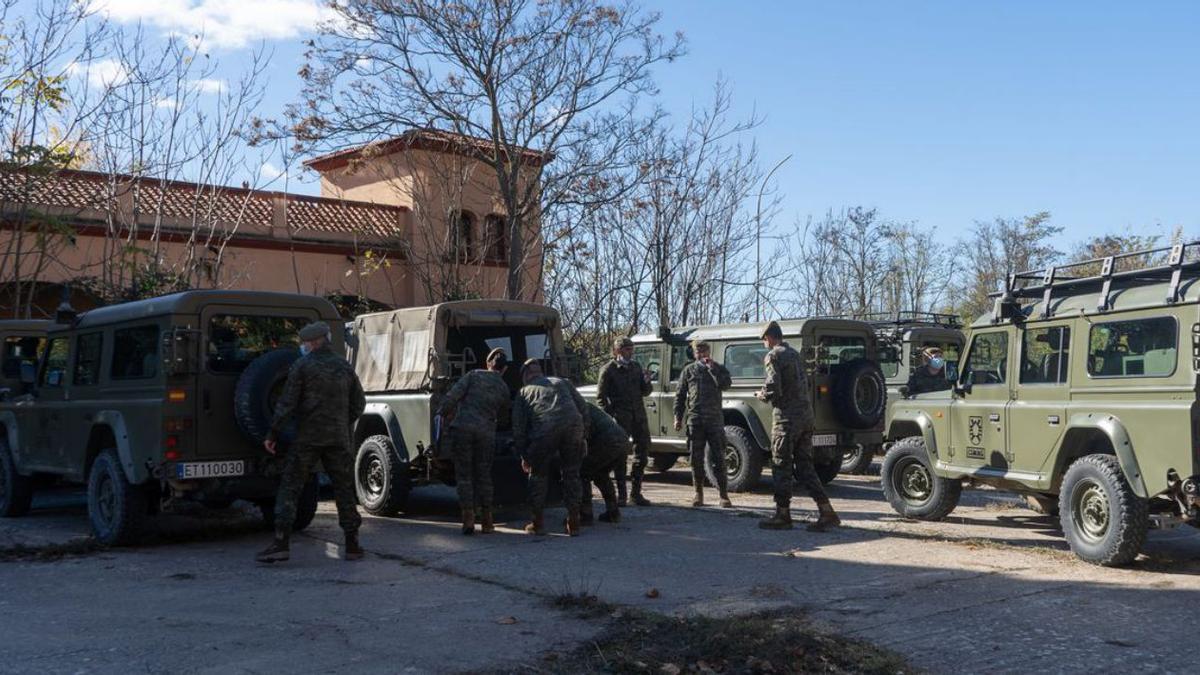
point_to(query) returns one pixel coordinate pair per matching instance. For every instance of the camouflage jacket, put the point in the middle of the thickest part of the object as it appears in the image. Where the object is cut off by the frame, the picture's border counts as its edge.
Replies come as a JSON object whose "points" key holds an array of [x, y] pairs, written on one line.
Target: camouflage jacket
{"points": [[922, 381], [547, 403], [621, 388], [699, 393], [323, 396], [786, 387], [477, 400], [606, 439]]}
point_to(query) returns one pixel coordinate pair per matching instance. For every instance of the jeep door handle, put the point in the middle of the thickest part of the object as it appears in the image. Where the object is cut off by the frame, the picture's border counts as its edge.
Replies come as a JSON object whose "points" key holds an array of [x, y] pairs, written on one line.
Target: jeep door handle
{"points": [[993, 417]]}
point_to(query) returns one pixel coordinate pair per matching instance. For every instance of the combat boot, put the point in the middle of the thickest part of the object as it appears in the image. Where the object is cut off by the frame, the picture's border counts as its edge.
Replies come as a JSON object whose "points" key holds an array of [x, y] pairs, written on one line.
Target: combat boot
{"points": [[468, 520], [354, 550], [725, 503], [537, 525], [698, 499], [782, 520], [636, 493], [573, 522], [486, 524], [587, 515], [278, 551], [826, 520], [612, 513]]}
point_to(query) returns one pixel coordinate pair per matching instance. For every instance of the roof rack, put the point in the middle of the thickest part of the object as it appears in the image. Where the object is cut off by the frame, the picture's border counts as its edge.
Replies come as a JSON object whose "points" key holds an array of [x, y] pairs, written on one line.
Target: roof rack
{"points": [[903, 319], [1155, 264]]}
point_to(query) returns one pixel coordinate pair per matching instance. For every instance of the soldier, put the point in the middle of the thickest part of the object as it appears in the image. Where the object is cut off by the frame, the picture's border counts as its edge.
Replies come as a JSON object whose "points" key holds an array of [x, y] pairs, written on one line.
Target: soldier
{"points": [[469, 413], [931, 376], [607, 447], [550, 421], [324, 397], [786, 389], [622, 386], [698, 402]]}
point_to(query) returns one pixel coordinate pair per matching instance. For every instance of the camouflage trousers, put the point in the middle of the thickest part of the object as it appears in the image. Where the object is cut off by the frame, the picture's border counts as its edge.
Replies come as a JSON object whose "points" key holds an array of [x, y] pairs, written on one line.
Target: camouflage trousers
{"points": [[639, 430], [563, 446], [473, 450], [598, 469], [301, 462], [708, 434], [792, 460]]}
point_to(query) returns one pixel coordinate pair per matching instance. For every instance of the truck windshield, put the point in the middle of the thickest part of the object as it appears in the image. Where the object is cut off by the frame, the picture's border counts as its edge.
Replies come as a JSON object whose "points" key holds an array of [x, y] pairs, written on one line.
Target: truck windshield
{"points": [[234, 340]]}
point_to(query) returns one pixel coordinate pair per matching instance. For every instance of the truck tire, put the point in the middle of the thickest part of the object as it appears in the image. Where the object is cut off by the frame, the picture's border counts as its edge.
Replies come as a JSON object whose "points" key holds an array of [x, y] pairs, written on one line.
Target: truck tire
{"points": [[858, 460], [381, 477], [859, 394], [258, 388], [1104, 522], [911, 486], [16, 491], [306, 507], [663, 463], [743, 461], [116, 509]]}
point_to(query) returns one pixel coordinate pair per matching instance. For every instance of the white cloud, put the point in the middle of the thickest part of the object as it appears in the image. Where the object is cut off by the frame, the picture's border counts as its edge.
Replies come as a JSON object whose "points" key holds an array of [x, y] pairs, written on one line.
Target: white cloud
{"points": [[268, 172], [223, 23], [167, 103], [209, 85], [100, 74]]}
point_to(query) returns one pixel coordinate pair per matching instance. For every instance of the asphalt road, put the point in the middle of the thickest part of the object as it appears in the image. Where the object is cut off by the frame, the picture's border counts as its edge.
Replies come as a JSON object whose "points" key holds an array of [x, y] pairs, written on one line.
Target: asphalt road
{"points": [[991, 589]]}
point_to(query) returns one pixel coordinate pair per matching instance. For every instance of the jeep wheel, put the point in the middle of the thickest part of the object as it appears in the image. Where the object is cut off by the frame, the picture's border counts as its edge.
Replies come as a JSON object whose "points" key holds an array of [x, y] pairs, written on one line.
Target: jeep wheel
{"points": [[306, 506], [16, 491], [1104, 521], [858, 460], [912, 487], [663, 463], [116, 508], [743, 461], [381, 477], [258, 389], [859, 394]]}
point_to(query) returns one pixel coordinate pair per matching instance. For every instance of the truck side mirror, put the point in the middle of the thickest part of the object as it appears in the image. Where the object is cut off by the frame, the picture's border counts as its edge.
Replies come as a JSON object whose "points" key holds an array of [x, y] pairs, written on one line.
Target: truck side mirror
{"points": [[904, 390]]}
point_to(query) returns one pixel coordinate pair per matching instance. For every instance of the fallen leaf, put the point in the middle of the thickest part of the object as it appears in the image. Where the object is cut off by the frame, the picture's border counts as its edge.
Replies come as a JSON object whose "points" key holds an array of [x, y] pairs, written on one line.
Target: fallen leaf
{"points": [[507, 621], [652, 593]]}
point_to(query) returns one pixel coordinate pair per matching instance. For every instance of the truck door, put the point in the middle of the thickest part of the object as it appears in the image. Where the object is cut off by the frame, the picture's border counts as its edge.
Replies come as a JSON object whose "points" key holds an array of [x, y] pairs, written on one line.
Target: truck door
{"points": [[1038, 411], [651, 358], [43, 416], [681, 355], [84, 393], [979, 435]]}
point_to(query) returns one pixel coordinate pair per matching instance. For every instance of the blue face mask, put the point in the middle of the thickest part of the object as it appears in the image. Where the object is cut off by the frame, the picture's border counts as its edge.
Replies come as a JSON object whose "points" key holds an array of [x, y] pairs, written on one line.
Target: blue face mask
{"points": [[304, 350], [937, 363]]}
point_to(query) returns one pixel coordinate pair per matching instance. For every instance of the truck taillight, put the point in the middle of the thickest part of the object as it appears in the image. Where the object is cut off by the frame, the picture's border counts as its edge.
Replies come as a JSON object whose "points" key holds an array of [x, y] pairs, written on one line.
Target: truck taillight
{"points": [[176, 396]]}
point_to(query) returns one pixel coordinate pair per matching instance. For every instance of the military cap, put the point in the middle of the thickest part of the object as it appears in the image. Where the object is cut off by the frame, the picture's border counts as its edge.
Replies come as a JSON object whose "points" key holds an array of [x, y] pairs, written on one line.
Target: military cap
{"points": [[622, 342], [497, 353], [772, 330], [314, 331]]}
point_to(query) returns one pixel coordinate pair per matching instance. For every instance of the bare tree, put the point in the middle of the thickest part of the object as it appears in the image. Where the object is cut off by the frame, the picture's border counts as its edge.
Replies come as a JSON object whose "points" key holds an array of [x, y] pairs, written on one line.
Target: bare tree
{"points": [[998, 249]]}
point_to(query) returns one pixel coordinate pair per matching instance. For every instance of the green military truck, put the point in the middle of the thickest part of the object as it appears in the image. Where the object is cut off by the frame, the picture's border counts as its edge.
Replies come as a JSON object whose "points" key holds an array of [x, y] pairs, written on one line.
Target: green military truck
{"points": [[156, 401], [902, 338], [408, 359], [1077, 390], [847, 390]]}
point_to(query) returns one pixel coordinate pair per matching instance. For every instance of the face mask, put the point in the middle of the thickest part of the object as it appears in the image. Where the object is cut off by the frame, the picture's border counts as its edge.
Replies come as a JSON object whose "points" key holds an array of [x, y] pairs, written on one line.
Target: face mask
{"points": [[304, 350], [937, 363], [623, 361]]}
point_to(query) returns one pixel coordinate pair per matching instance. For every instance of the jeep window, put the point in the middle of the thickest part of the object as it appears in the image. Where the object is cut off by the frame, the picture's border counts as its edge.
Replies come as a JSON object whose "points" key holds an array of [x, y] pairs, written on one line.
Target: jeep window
{"points": [[87, 359], [236, 340], [19, 351], [649, 357], [889, 362], [135, 353], [842, 348], [988, 359], [681, 355], [1045, 355], [55, 369], [537, 346], [950, 353], [1138, 348], [745, 361]]}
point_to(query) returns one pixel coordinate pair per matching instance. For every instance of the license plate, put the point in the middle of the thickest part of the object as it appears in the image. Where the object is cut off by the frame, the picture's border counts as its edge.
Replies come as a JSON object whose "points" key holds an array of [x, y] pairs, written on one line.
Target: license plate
{"points": [[188, 470], [824, 439]]}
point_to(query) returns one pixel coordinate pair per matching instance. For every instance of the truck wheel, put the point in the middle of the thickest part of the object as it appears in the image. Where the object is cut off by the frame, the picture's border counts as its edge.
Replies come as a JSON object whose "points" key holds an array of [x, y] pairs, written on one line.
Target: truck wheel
{"points": [[663, 463], [381, 477], [1104, 521], [306, 507], [258, 389], [858, 460], [16, 491], [116, 509], [743, 461], [859, 394], [912, 487]]}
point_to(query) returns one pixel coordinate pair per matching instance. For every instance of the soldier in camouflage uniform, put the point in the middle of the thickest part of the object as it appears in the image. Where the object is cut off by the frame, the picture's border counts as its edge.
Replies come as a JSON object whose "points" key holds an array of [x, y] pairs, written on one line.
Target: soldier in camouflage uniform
{"points": [[550, 423], [931, 376], [786, 389], [698, 404], [324, 398], [469, 413], [607, 447], [622, 386]]}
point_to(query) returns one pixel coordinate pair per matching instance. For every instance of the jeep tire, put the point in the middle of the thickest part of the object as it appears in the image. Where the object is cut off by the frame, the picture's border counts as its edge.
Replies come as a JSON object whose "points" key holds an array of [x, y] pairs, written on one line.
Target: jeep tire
{"points": [[858, 460], [16, 491], [117, 509], [663, 463], [381, 477], [1104, 522], [859, 394], [743, 461], [257, 388], [911, 486], [306, 506]]}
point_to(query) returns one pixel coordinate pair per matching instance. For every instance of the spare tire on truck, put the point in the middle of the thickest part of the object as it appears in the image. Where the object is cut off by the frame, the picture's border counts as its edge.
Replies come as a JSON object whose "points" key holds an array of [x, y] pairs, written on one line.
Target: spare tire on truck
{"points": [[258, 390], [859, 394]]}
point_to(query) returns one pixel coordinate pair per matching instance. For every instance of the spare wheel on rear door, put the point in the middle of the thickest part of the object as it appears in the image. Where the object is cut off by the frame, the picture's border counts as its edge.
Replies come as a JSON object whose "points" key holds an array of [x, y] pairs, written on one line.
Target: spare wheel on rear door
{"points": [[859, 394], [258, 390]]}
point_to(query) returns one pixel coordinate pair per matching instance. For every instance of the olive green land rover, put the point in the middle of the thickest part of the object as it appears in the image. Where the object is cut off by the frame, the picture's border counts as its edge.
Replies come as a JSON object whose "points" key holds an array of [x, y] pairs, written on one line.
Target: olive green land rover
{"points": [[1078, 390], [847, 390], [156, 401]]}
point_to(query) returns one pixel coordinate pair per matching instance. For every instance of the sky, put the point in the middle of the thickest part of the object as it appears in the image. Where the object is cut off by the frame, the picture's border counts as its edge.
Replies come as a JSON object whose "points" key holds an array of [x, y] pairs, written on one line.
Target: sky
{"points": [[942, 113]]}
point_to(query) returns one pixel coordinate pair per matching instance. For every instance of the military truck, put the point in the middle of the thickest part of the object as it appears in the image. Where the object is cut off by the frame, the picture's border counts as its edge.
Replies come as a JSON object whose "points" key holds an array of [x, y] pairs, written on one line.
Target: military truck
{"points": [[408, 359], [156, 401], [902, 338], [847, 390], [1077, 391]]}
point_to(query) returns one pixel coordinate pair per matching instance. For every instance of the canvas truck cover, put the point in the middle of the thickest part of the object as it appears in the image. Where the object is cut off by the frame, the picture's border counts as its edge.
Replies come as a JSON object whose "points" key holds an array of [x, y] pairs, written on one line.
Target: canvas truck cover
{"points": [[401, 350]]}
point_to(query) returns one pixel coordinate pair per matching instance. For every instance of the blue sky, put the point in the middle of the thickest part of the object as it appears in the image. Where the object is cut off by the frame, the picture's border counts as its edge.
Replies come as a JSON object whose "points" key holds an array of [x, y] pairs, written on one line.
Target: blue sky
{"points": [[936, 112]]}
